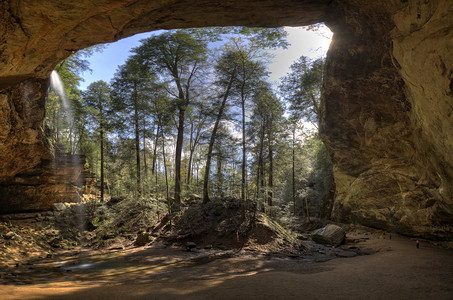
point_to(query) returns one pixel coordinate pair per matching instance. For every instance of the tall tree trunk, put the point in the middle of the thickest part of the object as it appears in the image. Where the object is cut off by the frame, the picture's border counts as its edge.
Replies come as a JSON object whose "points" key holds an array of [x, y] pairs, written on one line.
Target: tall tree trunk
{"points": [[260, 171], [208, 166], [189, 171], [244, 159], [271, 163], [144, 149], [165, 172], [196, 173], [137, 139], [270, 185], [155, 149], [219, 176], [234, 190], [191, 148], [184, 100], [156, 178], [212, 140], [178, 155], [101, 137], [294, 172], [257, 191], [192, 145], [153, 168]]}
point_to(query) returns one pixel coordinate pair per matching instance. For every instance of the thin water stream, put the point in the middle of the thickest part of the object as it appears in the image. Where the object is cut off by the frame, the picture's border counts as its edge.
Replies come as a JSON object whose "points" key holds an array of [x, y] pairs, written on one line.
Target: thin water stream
{"points": [[57, 85]]}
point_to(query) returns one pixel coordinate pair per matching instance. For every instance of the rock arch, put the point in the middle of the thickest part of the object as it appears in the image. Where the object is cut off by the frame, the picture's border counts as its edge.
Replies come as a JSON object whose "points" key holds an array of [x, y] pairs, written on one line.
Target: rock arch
{"points": [[387, 97]]}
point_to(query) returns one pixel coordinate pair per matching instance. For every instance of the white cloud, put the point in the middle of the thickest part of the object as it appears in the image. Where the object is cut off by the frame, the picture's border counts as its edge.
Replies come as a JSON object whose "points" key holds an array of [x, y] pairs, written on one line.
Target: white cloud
{"points": [[302, 42]]}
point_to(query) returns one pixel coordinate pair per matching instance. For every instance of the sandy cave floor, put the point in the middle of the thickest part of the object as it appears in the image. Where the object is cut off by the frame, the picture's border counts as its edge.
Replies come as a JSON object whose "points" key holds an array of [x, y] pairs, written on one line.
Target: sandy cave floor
{"points": [[395, 270]]}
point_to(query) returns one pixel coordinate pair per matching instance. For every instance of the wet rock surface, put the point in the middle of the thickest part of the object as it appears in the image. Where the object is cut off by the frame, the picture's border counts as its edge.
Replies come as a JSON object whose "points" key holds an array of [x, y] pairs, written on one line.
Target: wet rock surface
{"points": [[43, 187]]}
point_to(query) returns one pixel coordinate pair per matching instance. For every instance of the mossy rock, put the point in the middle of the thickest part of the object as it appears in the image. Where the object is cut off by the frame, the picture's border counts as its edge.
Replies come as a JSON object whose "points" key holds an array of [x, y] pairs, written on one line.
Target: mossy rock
{"points": [[329, 235]]}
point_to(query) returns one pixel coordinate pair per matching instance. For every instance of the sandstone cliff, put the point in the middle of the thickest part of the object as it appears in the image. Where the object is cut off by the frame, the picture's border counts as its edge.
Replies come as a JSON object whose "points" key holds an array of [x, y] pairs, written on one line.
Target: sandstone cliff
{"points": [[56, 180], [386, 115]]}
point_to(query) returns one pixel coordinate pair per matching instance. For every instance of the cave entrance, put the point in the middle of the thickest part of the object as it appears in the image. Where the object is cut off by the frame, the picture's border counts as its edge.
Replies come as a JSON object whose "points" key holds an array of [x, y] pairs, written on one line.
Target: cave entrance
{"points": [[111, 218], [291, 61], [64, 39], [379, 100]]}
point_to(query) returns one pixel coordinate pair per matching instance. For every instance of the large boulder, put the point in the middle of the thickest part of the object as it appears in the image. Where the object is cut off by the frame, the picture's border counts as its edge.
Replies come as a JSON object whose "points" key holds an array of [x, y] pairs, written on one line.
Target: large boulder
{"points": [[330, 235]]}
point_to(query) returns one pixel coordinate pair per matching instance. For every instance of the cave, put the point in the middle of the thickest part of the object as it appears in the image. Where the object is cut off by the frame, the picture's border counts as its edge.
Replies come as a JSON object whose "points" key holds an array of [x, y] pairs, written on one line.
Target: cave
{"points": [[386, 104]]}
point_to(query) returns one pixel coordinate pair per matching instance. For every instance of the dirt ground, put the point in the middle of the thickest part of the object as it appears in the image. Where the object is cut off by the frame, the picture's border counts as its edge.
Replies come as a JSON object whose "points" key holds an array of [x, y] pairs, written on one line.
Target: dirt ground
{"points": [[393, 269]]}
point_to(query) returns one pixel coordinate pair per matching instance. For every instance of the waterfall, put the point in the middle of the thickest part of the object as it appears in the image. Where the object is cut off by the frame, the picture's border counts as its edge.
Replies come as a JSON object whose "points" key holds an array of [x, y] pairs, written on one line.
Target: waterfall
{"points": [[56, 84]]}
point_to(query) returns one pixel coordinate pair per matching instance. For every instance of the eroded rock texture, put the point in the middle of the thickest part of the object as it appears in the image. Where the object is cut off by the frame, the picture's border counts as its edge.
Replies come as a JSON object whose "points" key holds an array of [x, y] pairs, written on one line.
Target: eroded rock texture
{"points": [[21, 114], [387, 99], [39, 187], [386, 115]]}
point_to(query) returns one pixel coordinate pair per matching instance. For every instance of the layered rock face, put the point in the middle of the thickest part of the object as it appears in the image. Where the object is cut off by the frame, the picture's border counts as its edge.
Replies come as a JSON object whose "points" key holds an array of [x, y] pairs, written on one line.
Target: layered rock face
{"points": [[387, 98], [386, 115], [37, 188]]}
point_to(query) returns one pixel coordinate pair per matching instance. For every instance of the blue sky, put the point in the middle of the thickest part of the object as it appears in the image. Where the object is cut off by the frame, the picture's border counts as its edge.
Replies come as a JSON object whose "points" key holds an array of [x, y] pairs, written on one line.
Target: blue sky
{"points": [[307, 43]]}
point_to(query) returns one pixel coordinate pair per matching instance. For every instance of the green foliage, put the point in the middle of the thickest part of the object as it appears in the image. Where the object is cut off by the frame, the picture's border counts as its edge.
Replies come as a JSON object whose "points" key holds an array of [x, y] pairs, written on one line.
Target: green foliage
{"points": [[302, 88], [178, 55], [321, 177], [131, 86], [316, 184], [68, 133], [125, 218], [265, 37], [167, 98]]}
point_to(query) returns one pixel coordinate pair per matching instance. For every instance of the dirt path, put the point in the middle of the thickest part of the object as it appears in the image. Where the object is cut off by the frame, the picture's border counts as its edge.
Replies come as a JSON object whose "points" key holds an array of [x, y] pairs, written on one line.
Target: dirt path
{"points": [[398, 270]]}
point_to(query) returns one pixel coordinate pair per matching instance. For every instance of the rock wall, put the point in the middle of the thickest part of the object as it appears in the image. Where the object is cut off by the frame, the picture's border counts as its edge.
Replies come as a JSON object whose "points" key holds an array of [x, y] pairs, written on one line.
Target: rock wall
{"points": [[386, 115], [423, 54], [22, 144], [387, 96], [37, 188]]}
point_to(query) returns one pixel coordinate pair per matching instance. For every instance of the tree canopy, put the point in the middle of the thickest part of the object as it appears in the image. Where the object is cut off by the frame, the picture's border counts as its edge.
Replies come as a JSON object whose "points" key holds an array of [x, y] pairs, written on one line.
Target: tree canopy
{"points": [[183, 119]]}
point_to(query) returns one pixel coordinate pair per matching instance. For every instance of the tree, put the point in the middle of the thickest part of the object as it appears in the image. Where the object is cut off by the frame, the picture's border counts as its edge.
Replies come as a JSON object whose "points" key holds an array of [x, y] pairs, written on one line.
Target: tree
{"points": [[65, 123], [98, 102], [129, 92], [179, 56], [250, 71], [197, 121], [161, 111], [267, 119], [293, 170], [302, 88], [273, 128], [226, 74]]}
